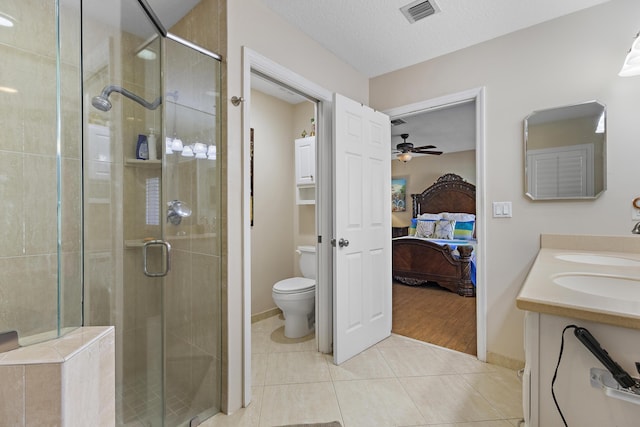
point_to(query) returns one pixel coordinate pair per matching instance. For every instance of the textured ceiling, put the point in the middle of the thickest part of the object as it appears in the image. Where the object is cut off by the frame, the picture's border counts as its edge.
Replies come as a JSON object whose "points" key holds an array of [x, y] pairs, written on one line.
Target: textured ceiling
{"points": [[375, 37]]}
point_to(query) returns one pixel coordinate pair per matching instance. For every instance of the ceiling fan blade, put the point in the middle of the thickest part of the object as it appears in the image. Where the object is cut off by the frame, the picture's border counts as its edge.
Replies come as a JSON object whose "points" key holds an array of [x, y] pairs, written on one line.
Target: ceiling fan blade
{"points": [[435, 153], [424, 147]]}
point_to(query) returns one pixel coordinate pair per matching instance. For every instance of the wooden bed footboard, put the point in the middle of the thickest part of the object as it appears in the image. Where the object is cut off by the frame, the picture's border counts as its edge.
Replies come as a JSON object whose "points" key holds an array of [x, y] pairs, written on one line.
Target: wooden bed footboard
{"points": [[417, 261]]}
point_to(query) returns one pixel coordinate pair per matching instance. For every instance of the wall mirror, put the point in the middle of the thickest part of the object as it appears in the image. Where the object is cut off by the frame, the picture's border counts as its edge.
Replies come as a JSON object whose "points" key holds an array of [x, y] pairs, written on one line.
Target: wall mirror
{"points": [[565, 152]]}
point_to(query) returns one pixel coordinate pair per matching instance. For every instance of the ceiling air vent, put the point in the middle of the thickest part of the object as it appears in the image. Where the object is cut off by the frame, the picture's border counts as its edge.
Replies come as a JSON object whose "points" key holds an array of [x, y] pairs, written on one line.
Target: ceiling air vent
{"points": [[396, 122], [419, 10]]}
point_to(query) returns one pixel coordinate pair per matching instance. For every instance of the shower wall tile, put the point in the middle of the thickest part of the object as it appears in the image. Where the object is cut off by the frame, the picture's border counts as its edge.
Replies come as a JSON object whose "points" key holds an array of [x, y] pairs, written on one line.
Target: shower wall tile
{"points": [[11, 192], [71, 289], [42, 394], [28, 299], [12, 395], [206, 323], [71, 205], [179, 315], [36, 29], [40, 204], [70, 35]]}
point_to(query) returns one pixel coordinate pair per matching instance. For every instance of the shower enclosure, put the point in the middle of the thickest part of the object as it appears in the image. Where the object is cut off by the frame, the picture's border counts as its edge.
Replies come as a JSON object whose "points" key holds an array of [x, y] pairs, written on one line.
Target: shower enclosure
{"points": [[94, 235]]}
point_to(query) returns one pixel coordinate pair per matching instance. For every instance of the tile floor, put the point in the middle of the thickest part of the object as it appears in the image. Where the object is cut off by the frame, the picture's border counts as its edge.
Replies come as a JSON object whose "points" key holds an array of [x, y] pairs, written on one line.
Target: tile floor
{"points": [[398, 382]]}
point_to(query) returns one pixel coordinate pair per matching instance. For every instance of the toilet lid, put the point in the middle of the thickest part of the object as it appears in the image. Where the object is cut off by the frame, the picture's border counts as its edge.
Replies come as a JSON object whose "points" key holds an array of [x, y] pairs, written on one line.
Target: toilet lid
{"points": [[293, 285]]}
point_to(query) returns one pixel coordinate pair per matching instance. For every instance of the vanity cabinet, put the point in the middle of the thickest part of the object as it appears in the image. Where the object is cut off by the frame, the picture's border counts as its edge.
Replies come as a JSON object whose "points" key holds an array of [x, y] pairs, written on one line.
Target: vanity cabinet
{"points": [[305, 154], [581, 403]]}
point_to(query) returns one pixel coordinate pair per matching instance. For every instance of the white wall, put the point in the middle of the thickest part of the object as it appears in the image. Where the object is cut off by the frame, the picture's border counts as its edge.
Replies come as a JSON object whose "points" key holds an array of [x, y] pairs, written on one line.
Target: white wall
{"points": [[422, 172], [273, 201], [572, 59], [250, 23]]}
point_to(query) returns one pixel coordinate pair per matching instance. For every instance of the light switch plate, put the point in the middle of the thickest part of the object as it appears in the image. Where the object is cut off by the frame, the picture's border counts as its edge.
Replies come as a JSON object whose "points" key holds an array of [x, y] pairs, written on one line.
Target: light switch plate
{"points": [[502, 210]]}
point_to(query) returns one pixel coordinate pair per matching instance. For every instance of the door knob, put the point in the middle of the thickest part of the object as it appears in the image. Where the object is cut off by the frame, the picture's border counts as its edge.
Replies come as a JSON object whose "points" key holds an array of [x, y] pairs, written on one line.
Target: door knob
{"points": [[343, 243]]}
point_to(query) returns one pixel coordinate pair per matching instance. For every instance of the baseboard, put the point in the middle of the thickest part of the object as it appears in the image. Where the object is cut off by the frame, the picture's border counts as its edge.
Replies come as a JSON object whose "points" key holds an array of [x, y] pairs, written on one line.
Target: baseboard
{"points": [[504, 361], [265, 314]]}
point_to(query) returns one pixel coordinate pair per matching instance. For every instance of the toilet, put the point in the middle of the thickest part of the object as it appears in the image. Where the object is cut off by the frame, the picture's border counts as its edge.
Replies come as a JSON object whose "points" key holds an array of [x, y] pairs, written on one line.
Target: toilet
{"points": [[296, 296]]}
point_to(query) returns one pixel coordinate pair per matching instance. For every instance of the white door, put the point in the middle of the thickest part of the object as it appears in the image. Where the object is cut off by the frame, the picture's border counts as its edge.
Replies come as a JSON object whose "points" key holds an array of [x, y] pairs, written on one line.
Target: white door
{"points": [[362, 228]]}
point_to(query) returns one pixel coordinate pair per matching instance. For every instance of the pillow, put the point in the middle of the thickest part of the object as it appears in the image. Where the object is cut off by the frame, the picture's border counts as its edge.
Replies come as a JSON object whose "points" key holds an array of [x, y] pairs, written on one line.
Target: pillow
{"points": [[464, 230], [464, 217], [433, 217], [425, 228], [412, 227], [445, 229]]}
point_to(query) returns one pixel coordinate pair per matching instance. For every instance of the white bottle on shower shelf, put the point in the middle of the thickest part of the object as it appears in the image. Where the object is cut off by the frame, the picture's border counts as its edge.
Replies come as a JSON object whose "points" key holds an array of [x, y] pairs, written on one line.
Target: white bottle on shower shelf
{"points": [[153, 149]]}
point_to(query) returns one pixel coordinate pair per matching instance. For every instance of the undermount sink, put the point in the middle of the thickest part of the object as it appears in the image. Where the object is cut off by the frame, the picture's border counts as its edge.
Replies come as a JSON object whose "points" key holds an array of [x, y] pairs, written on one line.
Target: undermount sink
{"points": [[623, 288], [599, 260]]}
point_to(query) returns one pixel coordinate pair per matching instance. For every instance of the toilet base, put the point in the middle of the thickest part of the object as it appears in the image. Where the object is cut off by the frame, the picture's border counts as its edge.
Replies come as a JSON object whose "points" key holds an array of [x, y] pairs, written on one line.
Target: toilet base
{"points": [[298, 325]]}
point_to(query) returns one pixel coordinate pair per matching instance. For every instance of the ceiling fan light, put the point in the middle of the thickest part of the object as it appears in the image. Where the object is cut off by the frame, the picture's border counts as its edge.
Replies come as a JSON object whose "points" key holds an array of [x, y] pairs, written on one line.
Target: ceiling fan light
{"points": [[404, 157]]}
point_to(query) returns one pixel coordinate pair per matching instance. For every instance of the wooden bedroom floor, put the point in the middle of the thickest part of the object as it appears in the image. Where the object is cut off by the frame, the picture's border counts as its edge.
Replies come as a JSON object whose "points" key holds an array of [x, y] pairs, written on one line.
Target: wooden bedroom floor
{"points": [[435, 315]]}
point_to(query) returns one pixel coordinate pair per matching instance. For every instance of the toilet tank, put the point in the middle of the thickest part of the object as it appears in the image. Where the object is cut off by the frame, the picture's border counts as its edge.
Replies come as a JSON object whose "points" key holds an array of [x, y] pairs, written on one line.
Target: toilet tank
{"points": [[307, 261]]}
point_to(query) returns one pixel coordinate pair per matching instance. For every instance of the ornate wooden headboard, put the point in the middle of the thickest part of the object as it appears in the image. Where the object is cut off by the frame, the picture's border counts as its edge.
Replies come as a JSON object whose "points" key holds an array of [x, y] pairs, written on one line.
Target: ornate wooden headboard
{"points": [[450, 193]]}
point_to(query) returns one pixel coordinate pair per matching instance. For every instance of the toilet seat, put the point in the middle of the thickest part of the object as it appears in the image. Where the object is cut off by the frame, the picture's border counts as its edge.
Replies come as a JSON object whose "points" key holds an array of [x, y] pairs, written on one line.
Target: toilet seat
{"points": [[294, 285]]}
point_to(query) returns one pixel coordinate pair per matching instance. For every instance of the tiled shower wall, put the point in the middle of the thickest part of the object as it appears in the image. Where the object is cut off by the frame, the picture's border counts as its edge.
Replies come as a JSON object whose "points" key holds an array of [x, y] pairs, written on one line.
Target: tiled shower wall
{"points": [[29, 163]]}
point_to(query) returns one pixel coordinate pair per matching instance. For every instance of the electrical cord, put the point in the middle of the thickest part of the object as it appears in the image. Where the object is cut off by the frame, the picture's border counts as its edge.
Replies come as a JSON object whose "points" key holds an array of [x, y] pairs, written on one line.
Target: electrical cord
{"points": [[555, 374]]}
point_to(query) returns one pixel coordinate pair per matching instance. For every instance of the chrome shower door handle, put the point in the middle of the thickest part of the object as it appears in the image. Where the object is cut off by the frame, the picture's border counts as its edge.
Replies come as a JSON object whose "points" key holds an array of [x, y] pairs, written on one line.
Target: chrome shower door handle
{"points": [[167, 253]]}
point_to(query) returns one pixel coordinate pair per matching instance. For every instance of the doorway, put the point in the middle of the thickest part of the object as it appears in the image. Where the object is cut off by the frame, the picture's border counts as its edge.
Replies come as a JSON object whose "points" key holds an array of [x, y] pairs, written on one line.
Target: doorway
{"points": [[471, 155], [256, 64]]}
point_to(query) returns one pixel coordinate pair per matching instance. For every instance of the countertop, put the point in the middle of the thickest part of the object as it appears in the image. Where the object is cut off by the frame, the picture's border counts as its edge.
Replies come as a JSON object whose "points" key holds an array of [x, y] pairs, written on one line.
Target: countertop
{"points": [[540, 294]]}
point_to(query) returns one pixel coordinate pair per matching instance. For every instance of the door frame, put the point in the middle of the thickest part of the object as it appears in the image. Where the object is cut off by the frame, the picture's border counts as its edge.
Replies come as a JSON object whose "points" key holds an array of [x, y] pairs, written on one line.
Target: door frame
{"points": [[252, 60], [478, 96]]}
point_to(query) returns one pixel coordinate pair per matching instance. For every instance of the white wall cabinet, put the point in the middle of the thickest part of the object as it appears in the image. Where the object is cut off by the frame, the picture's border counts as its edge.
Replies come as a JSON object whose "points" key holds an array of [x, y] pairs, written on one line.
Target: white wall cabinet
{"points": [[305, 170]]}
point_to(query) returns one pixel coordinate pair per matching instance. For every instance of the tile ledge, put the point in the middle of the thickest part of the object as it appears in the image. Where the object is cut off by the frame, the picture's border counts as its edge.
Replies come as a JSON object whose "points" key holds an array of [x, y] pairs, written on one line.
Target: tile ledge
{"points": [[57, 350]]}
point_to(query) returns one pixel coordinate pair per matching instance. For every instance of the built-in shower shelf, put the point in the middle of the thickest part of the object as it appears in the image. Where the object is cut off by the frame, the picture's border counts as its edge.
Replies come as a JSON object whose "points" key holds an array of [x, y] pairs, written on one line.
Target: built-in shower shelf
{"points": [[138, 243], [143, 163]]}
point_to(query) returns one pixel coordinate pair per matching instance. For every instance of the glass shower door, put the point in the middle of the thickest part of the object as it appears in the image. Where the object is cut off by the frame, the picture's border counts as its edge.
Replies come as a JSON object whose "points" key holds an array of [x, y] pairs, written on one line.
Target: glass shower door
{"points": [[151, 230], [191, 197]]}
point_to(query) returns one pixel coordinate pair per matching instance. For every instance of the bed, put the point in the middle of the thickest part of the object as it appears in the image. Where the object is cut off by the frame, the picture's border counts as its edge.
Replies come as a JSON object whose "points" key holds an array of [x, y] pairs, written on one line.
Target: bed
{"points": [[449, 263]]}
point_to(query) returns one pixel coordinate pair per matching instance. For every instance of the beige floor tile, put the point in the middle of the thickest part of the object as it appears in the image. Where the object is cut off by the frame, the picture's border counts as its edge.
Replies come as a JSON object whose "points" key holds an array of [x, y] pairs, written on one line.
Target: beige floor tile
{"points": [[415, 360], [258, 368], [299, 403], [435, 387], [269, 324], [296, 367], [448, 399], [278, 343], [501, 388], [395, 340], [367, 365], [462, 363], [376, 403], [244, 417], [260, 341]]}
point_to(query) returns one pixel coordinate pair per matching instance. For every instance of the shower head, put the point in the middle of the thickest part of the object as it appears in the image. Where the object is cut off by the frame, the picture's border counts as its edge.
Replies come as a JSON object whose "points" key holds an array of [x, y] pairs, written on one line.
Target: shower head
{"points": [[102, 103]]}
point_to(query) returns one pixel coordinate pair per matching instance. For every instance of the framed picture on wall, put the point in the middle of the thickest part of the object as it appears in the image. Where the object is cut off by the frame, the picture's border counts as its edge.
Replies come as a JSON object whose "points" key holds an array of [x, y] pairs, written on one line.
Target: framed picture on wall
{"points": [[398, 194]]}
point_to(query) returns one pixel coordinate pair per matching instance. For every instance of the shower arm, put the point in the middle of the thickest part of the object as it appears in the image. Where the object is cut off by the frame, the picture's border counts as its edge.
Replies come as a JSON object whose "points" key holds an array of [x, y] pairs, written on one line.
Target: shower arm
{"points": [[112, 88]]}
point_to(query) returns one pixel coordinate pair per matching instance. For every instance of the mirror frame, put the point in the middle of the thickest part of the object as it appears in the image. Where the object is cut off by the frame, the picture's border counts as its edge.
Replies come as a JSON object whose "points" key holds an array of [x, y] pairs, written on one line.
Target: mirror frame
{"points": [[597, 191]]}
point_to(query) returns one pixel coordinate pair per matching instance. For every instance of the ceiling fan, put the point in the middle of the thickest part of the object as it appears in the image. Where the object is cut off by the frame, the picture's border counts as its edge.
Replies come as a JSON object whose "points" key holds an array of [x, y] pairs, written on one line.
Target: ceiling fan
{"points": [[404, 149]]}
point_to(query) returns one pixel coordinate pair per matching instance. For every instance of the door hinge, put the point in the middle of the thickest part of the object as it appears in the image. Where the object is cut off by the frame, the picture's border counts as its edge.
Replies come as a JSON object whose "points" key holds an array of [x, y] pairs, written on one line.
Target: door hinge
{"points": [[319, 239]]}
